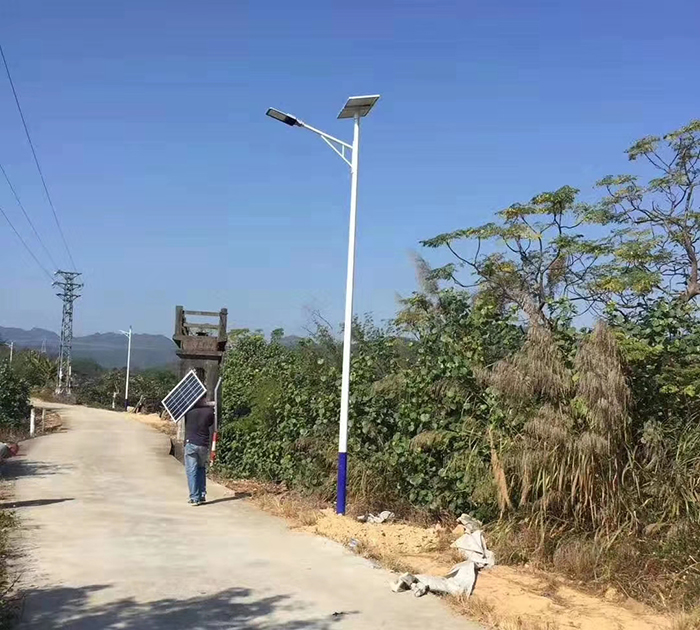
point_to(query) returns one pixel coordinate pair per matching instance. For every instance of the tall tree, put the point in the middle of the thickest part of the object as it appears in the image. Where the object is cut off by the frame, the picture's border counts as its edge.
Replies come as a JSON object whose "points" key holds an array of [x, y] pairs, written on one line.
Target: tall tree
{"points": [[542, 260], [656, 225]]}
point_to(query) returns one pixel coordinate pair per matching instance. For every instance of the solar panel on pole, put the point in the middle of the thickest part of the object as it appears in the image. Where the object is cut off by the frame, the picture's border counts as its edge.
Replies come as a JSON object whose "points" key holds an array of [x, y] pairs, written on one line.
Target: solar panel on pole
{"points": [[184, 396]]}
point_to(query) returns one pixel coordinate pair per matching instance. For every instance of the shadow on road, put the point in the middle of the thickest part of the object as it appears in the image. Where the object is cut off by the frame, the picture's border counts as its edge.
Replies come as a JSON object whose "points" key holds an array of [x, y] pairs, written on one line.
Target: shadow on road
{"points": [[235, 497], [16, 468], [232, 609], [11, 505]]}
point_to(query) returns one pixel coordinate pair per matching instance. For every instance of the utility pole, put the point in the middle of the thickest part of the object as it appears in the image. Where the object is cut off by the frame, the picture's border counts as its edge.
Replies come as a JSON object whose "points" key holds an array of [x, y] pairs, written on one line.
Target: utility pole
{"points": [[69, 286], [128, 367]]}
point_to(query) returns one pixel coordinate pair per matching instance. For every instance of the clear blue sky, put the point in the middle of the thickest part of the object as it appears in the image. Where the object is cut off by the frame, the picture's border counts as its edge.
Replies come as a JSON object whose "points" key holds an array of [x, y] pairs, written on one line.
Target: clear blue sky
{"points": [[174, 188]]}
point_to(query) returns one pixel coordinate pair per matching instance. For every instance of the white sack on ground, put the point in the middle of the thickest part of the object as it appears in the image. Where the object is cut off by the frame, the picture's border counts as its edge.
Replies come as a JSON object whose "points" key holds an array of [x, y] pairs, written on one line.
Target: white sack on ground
{"points": [[459, 581], [473, 548], [470, 523], [461, 578], [382, 517]]}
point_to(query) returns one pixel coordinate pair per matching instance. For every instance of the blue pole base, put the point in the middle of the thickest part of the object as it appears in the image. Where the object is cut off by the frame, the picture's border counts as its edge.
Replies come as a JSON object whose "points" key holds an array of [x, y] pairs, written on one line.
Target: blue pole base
{"points": [[342, 482]]}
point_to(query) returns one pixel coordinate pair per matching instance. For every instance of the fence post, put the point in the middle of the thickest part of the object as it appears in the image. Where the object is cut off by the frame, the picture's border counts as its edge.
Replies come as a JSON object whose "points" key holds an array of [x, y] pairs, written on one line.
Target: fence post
{"points": [[32, 420], [43, 420]]}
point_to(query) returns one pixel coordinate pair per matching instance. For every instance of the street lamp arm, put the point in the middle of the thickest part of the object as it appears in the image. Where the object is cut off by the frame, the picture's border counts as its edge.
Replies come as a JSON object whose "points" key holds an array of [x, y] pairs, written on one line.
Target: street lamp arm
{"points": [[324, 135], [341, 153]]}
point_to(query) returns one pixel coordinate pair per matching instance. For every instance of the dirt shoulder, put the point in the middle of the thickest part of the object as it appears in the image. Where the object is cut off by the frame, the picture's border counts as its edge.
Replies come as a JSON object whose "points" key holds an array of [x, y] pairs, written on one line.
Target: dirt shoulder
{"points": [[48, 420], [505, 598]]}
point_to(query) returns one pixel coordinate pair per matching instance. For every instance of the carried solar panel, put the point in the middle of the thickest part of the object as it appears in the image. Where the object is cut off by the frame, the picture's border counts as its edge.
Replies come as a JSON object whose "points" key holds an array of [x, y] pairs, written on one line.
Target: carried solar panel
{"points": [[184, 396]]}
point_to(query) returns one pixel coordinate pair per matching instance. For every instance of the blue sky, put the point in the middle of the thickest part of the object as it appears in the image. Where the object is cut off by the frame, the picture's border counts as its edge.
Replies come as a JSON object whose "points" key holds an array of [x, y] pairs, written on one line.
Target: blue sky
{"points": [[174, 188]]}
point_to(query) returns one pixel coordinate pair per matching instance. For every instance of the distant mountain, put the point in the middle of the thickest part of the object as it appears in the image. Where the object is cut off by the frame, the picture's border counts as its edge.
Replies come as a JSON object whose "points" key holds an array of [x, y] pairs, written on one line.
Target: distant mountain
{"points": [[33, 338], [107, 349], [291, 341]]}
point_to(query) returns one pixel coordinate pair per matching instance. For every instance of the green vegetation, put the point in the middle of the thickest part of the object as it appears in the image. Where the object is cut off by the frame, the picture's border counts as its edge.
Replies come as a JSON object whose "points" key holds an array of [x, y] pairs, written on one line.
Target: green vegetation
{"points": [[9, 604], [546, 381], [33, 371], [14, 397], [148, 387]]}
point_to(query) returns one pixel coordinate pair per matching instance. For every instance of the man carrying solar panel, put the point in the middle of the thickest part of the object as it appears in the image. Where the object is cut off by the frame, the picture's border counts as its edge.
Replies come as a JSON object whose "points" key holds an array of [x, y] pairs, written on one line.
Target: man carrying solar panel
{"points": [[199, 423]]}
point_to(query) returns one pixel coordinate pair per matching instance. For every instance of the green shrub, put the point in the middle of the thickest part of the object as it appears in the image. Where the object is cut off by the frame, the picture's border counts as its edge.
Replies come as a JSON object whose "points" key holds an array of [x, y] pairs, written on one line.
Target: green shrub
{"points": [[407, 441], [14, 396]]}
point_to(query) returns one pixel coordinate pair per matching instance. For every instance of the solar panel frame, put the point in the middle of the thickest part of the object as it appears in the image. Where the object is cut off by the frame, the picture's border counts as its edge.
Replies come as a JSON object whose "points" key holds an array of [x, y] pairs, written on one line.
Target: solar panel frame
{"points": [[184, 396]]}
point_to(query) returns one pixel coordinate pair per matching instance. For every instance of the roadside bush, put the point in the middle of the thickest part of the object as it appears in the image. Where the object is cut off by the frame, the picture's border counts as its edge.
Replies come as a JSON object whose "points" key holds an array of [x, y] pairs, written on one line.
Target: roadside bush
{"points": [[149, 386], [414, 441], [14, 397]]}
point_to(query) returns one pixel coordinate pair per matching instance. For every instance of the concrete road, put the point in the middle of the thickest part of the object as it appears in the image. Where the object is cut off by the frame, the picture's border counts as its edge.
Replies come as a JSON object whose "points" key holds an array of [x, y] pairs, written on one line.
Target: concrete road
{"points": [[108, 541]]}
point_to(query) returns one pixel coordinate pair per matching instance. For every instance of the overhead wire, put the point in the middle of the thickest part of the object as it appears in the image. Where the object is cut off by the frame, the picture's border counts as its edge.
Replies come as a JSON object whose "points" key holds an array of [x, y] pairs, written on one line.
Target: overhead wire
{"points": [[26, 216], [24, 243], [36, 159]]}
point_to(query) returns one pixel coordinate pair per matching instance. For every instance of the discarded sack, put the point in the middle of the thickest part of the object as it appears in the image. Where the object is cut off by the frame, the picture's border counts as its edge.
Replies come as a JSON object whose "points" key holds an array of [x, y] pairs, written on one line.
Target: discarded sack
{"points": [[382, 517], [470, 523], [459, 581], [472, 547], [461, 578]]}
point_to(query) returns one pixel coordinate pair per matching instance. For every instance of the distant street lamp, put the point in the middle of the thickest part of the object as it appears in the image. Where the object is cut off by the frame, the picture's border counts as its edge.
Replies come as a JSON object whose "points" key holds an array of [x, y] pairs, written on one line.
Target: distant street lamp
{"points": [[11, 346], [356, 107], [128, 366]]}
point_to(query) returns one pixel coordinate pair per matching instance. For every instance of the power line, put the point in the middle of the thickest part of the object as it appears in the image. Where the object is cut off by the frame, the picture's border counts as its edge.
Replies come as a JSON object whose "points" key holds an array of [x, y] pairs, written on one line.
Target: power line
{"points": [[36, 159], [26, 216], [31, 253]]}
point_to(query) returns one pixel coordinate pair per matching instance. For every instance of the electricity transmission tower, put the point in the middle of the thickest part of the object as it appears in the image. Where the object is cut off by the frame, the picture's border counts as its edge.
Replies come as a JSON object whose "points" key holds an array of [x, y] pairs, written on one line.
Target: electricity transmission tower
{"points": [[69, 293]]}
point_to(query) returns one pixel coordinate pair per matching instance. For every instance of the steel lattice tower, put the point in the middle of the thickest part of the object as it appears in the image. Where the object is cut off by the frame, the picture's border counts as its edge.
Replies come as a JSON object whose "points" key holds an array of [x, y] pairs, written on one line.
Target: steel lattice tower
{"points": [[69, 293]]}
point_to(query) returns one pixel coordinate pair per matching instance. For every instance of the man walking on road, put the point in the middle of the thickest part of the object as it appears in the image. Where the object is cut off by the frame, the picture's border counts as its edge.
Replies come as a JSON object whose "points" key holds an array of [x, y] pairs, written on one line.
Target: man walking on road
{"points": [[199, 422]]}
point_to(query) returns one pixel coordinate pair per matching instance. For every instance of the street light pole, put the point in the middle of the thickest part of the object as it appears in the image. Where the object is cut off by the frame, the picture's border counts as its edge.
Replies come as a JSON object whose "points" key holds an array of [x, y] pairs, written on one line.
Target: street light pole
{"points": [[356, 107], [128, 367], [347, 330]]}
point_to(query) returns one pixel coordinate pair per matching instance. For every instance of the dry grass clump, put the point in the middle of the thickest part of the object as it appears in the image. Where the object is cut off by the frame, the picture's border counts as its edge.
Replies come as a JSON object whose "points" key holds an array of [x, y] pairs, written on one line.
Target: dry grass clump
{"points": [[578, 559], [570, 459], [484, 612], [387, 557], [302, 511], [687, 621]]}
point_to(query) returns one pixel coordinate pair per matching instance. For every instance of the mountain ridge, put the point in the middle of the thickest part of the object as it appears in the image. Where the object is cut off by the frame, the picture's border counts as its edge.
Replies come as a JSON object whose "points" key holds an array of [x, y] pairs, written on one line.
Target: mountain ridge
{"points": [[108, 349]]}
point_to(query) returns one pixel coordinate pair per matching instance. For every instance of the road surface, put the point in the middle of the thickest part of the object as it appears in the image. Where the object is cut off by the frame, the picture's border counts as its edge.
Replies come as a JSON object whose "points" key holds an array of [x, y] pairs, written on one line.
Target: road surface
{"points": [[108, 541]]}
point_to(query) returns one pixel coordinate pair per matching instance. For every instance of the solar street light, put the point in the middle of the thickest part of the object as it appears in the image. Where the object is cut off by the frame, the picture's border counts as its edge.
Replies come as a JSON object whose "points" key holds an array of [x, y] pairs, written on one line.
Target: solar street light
{"points": [[287, 119], [128, 367], [356, 107]]}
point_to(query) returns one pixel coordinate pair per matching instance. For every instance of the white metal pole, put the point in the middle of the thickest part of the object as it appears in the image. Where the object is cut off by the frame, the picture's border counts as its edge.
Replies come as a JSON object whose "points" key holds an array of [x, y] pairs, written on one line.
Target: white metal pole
{"points": [[32, 422], [347, 332], [12, 349], [128, 367]]}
